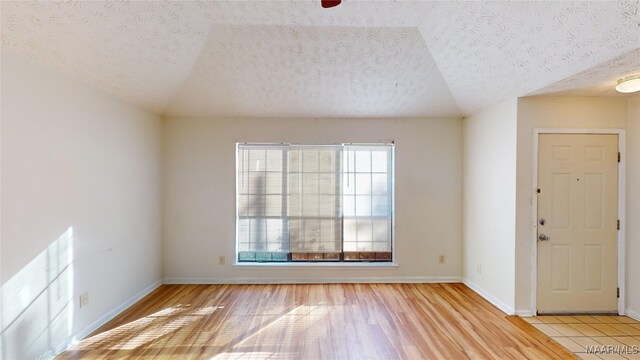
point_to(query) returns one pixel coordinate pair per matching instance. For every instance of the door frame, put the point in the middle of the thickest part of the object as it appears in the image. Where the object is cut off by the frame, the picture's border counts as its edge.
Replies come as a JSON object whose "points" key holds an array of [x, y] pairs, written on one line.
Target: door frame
{"points": [[621, 210]]}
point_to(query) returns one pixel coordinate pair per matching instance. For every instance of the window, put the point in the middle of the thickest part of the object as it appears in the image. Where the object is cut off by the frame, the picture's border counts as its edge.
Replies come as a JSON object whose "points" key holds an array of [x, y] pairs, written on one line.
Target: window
{"points": [[308, 203]]}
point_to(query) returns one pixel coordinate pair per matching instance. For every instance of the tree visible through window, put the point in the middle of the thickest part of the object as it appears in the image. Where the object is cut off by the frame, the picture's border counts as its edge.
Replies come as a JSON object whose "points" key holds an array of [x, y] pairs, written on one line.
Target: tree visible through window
{"points": [[314, 203]]}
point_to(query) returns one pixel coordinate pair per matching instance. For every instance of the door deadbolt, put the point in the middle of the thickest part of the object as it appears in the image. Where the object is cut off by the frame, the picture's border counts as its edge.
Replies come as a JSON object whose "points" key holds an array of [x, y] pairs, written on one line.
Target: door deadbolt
{"points": [[544, 237], [542, 221]]}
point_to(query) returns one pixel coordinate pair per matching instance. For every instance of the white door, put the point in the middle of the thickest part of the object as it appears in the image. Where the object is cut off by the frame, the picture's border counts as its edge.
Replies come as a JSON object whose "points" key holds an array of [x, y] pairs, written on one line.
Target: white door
{"points": [[577, 223]]}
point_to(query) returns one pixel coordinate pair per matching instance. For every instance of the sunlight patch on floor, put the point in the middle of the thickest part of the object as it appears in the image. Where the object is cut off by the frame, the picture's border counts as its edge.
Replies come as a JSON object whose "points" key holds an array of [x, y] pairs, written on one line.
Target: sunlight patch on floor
{"points": [[176, 318], [297, 321]]}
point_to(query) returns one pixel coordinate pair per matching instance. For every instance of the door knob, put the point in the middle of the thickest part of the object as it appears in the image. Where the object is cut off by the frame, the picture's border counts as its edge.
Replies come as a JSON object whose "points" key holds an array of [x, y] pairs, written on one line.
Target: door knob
{"points": [[544, 237]]}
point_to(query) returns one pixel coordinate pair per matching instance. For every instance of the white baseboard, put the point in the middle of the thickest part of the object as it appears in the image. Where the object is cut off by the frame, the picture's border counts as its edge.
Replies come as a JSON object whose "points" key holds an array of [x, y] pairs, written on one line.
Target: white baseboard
{"points": [[117, 310], [104, 319], [633, 314], [490, 298], [524, 313], [427, 279]]}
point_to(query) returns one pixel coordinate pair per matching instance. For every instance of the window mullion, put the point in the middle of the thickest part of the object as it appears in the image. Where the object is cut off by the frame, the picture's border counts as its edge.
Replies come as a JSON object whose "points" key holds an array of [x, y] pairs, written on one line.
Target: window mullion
{"points": [[339, 201], [284, 210], [318, 197]]}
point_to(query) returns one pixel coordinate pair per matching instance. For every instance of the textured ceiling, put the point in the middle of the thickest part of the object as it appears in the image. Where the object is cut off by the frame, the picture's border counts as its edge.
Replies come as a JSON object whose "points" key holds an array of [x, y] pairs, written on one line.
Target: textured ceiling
{"points": [[140, 51], [296, 59], [294, 71], [492, 51], [599, 80]]}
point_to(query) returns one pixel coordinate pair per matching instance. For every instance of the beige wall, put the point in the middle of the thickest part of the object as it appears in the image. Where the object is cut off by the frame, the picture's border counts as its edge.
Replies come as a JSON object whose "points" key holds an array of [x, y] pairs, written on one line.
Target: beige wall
{"points": [[489, 163], [550, 112], [80, 200], [83, 169], [199, 196], [633, 206]]}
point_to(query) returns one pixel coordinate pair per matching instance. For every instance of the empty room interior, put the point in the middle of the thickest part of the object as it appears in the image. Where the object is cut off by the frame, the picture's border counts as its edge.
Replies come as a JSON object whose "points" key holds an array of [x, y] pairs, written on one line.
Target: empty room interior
{"points": [[320, 180]]}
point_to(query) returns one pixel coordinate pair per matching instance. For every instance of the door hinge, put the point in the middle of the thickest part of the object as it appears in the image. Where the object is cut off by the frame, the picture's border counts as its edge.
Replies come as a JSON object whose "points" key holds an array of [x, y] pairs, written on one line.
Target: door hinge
{"points": [[618, 224], [619, 156], [618, 292]]}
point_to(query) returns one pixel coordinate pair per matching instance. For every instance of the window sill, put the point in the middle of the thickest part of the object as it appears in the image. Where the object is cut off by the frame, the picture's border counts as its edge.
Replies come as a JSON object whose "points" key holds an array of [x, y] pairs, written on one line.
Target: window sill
{"points": [[317, 265]]}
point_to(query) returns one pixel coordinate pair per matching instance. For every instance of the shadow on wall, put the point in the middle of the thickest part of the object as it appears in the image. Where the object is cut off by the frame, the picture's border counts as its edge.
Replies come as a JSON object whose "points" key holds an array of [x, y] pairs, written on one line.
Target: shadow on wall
{"points": [[37, 303]]}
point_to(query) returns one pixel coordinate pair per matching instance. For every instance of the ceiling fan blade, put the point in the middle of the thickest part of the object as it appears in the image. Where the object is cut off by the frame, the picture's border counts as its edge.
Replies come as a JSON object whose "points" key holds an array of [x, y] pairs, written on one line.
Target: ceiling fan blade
{"points": [[330, 3]]}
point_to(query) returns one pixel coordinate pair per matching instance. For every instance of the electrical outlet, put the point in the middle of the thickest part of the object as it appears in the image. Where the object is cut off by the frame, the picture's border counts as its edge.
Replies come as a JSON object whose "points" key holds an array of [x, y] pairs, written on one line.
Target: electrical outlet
{"points": [[221, 260], [479, 269], [84, 300], [441, 259]]}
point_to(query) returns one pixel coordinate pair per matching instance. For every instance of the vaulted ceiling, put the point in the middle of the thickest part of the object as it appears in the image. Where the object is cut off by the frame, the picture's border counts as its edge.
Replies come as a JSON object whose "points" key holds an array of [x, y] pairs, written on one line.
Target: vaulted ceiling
{"points": [[360, 59]]}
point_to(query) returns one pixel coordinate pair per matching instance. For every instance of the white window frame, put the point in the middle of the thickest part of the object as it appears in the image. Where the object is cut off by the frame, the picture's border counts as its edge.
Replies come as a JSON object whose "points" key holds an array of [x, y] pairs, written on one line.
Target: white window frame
{"points": [[324, 264]]}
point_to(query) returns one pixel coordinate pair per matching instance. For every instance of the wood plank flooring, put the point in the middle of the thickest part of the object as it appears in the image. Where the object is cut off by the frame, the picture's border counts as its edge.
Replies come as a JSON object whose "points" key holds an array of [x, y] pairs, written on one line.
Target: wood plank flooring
{"points": [[324, 321]]}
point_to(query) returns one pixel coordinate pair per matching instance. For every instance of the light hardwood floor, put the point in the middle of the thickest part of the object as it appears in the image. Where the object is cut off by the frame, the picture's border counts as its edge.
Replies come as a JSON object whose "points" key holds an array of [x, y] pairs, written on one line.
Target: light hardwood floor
{"points": [[328, 321]]}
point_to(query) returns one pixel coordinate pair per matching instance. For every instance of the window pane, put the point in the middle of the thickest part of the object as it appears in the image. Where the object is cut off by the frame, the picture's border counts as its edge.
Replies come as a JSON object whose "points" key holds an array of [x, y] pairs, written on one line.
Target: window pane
{"points": [[327, 184], [381, 246], [260, 188], [274, 231], [350, 246], [295, 183], [295, 233], [256, 160], [310, 205], [379, 161], [350, 233], [257, 205], [320, 201], [274, 182], [310, 183], [274, 160], [311, 234], [348, 206], [380, 205], [373, 199], [243, 205], [327, 206], [363, 161], [243, 230], [326, 159], [365, 231], [363, 205], [363, 183], [243, 168], [309, 160], [257, 234], [257, 183], [273, 205], [381, 231], [293, 157], [295, 205], [349, 184], [379, 182], [330, 231], [349, 160], [314, 236]]}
